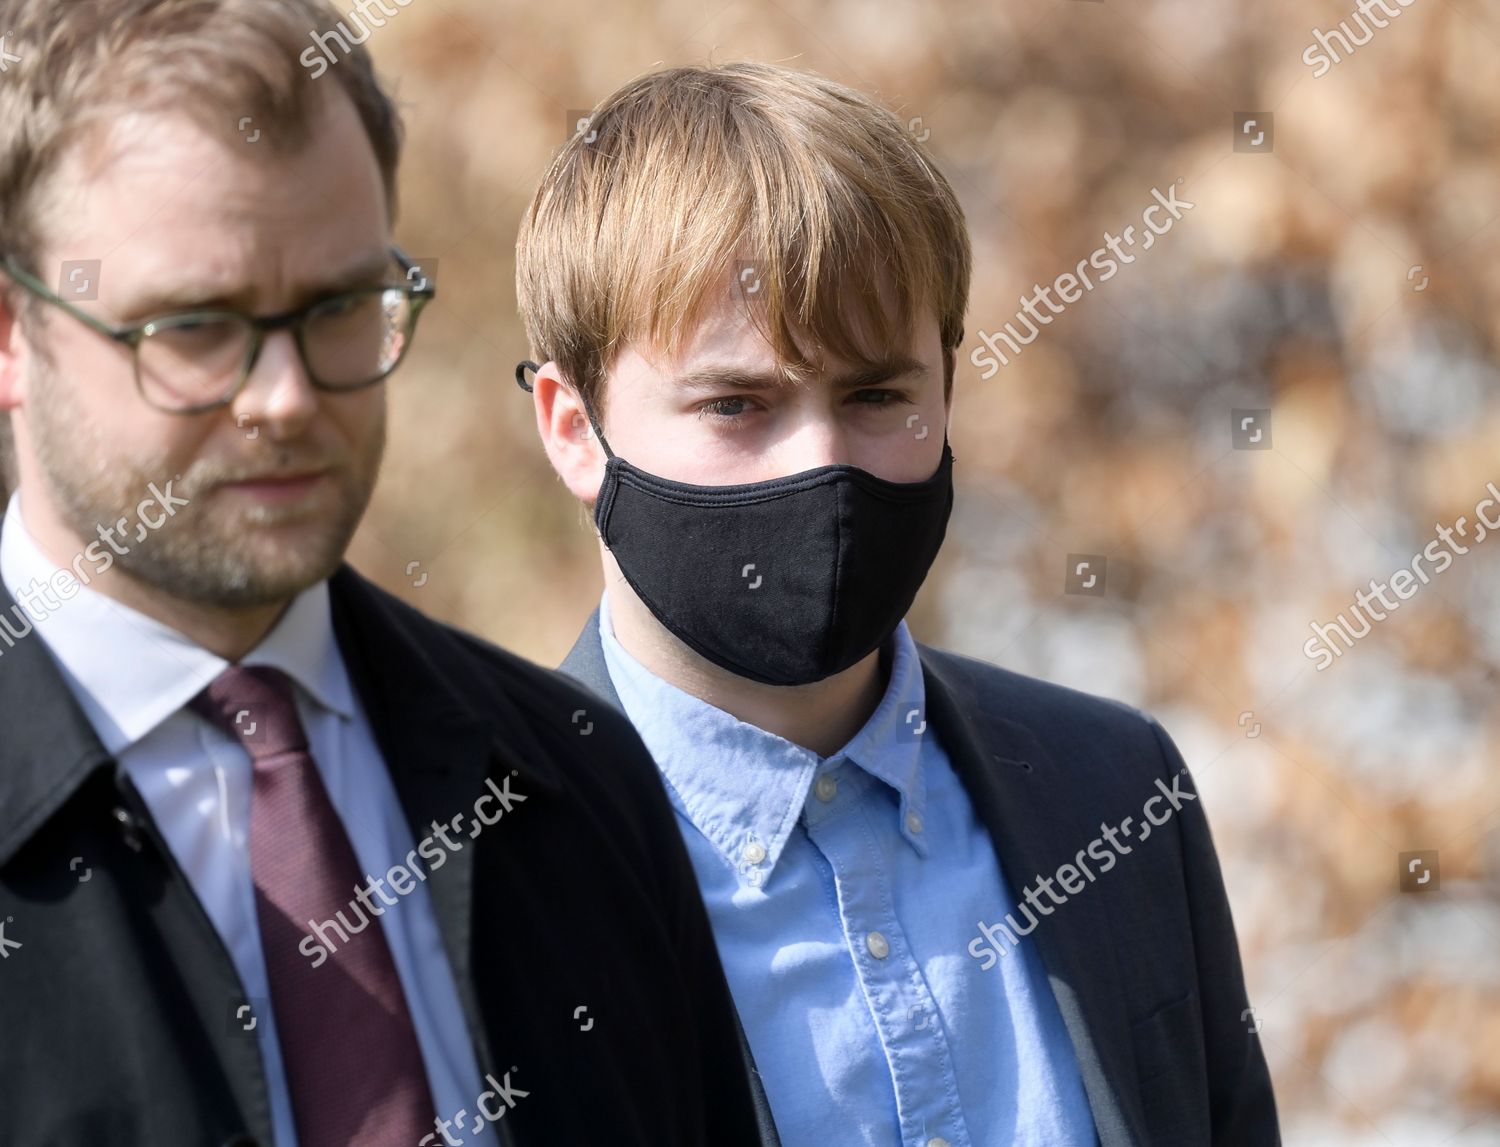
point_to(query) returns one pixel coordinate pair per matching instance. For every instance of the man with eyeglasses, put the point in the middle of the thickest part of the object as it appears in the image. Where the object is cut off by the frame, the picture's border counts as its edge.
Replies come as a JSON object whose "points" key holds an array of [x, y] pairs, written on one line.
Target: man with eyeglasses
{"points": [[281, 860], [193, 361]]}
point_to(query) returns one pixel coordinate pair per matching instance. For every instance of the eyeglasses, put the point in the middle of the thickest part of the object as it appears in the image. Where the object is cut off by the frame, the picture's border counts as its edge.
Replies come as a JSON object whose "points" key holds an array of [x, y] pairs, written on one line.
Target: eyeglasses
{"points": [[194, 361]]}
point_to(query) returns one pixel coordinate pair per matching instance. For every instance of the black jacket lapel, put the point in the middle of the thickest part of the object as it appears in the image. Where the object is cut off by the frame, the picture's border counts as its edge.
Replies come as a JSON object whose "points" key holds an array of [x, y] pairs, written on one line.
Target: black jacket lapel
{"points": [[585, 664], [1036, 824], [48, 748], [439, 750]]}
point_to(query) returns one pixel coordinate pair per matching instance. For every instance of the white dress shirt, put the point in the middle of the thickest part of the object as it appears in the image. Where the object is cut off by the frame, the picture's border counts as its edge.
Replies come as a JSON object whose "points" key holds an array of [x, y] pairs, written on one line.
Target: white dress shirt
{"points": [[133, 675]]}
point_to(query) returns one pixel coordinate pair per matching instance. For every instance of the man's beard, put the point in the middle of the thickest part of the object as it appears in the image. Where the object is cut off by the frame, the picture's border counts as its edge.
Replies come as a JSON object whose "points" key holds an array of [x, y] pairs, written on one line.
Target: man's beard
{"points": [[226, 559]]}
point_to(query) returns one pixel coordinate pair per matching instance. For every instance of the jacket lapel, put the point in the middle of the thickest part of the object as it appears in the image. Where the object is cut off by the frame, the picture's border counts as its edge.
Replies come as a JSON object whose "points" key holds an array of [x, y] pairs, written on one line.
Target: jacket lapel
{"points": [[1036, 822], [48, 748], [439, 752], [585, 664]]}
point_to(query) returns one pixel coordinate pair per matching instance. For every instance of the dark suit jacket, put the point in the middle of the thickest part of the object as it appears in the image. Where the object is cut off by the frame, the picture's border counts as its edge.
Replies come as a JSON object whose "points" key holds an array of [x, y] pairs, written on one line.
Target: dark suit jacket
{"points": [[117, 1010], [1143, 961]]}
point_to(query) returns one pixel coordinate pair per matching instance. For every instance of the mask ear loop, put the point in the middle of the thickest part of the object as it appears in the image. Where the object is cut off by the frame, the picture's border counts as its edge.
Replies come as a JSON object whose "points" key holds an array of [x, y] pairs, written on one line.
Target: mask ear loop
{"points": [[588, 407]]}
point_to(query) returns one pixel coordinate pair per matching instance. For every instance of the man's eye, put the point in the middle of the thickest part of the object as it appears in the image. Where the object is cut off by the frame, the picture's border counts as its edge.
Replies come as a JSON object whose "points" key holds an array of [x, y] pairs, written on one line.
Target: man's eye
{"points": [[193, 332], [190, 323], [882, 397], [342, 304], [726, 409]]}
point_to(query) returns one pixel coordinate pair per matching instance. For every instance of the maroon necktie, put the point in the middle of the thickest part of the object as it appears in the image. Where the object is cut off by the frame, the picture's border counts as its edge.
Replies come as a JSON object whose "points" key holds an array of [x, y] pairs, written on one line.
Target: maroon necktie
{"points": [[353, 1065]]}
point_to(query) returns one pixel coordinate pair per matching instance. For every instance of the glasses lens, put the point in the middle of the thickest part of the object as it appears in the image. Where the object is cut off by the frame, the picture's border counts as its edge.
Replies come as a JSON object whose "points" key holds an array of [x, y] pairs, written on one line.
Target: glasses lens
{"points": [[355, 339], [189, 360]]}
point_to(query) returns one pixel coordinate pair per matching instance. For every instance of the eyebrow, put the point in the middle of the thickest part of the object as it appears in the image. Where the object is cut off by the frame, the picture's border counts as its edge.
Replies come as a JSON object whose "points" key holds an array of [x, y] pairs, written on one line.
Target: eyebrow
{"points": [[189, 297], [735, 378]]}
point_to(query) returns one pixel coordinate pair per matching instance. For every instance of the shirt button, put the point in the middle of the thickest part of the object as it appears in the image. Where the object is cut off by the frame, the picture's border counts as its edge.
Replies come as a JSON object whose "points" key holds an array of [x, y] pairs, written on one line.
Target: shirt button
{"points": [[755, 852], [914, 822], [879, 947], [826, 788]]}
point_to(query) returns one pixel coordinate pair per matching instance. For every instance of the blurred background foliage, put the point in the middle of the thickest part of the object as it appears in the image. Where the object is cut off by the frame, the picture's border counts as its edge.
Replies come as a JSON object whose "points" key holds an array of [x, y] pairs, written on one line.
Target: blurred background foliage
{"points": [[1288, 287]]}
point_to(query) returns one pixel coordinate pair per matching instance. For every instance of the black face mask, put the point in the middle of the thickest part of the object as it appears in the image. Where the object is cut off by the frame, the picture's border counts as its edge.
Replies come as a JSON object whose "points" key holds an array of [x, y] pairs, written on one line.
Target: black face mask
{"points": [[785, 581]]}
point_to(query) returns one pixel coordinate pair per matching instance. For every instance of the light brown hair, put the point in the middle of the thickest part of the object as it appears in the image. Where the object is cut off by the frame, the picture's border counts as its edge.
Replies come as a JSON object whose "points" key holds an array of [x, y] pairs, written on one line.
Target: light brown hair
{"points": [[219, 61], [85, 62], [688, 175]]}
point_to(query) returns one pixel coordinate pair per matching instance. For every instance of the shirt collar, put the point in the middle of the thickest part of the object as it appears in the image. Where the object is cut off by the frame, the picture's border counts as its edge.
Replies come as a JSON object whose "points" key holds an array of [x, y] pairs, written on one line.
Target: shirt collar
{"points": [[744, 788], [130, 672]]}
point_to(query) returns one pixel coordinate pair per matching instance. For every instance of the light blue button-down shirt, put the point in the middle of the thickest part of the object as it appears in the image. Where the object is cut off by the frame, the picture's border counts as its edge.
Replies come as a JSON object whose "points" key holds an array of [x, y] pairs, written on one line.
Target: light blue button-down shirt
{"points": [[132, 675], [842, 892]]}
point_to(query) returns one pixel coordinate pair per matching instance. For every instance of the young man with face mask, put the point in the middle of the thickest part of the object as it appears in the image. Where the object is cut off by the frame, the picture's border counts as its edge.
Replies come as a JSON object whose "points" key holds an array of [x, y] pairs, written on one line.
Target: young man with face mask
{"points": [[281, 860], [746, 287]]}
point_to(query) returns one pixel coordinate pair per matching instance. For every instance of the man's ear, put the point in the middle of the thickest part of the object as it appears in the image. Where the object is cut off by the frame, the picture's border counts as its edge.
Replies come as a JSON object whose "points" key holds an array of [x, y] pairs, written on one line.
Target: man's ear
{"points": [[12, 371], [12, 359], [568, 438]]}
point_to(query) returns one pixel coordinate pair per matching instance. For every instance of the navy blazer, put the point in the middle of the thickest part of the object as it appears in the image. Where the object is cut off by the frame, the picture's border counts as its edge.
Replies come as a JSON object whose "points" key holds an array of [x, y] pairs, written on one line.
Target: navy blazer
{"points": [[1143, 962]]}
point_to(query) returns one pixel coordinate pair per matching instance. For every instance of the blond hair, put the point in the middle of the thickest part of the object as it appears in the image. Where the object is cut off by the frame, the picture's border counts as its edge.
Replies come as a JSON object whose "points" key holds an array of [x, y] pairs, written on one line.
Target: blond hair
{"points": [[685, 173]]}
